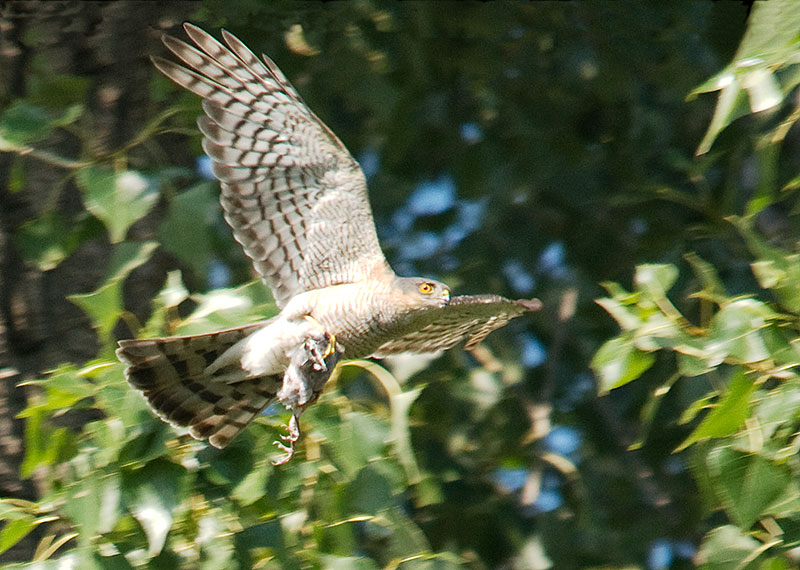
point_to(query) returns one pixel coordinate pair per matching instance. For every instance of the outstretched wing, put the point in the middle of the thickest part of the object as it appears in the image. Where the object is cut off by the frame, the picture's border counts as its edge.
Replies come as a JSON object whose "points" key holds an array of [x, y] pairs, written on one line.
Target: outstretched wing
{"points": [[469, 317], [294, 196]]}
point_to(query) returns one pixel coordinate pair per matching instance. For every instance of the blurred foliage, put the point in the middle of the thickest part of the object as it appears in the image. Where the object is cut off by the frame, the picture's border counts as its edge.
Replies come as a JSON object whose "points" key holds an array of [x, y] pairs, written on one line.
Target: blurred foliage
{"points": [[522, 147]]}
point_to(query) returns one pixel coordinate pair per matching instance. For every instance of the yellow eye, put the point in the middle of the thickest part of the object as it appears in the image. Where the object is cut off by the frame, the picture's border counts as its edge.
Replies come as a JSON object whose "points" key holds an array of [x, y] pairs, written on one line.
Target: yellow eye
{"points": [[425, 288]]}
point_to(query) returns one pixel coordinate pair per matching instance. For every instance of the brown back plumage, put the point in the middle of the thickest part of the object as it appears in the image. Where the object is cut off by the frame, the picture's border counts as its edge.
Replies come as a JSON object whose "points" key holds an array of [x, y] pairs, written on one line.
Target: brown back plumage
{"points": [[171, 374]]}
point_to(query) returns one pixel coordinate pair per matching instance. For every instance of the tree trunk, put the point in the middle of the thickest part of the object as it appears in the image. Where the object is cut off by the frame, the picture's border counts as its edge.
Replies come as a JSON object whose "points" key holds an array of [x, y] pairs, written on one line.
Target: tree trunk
{"points": [[108, 43]]}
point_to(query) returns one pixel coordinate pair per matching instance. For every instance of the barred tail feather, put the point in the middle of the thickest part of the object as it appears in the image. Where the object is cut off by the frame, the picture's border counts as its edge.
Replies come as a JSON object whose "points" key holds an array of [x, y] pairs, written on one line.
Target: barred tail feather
{"points": [[171, 374]]}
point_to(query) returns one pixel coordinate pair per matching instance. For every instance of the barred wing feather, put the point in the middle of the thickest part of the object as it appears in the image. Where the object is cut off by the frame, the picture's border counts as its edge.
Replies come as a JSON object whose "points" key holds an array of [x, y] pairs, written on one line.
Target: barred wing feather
{"points": [[467, 318], [292, 193]]}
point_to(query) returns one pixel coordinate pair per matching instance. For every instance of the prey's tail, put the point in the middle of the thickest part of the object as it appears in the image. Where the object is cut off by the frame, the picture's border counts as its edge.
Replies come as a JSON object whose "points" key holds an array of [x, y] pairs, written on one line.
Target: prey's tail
{"points": [[171, 374]]}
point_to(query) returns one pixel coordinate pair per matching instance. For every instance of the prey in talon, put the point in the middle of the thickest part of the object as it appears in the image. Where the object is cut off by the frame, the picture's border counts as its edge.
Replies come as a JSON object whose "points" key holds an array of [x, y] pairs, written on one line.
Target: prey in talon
{"points": [[311, 365]]}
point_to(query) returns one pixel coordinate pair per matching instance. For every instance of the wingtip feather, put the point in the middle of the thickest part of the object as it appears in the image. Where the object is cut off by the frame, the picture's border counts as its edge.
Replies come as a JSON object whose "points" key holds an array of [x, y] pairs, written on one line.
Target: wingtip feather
{"points": [[533, 304]]}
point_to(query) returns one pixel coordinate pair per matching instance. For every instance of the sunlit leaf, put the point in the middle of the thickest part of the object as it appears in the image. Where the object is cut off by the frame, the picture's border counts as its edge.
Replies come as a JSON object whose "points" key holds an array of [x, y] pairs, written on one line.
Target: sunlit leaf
{"points": [[43, 445], [104, 306], [690, 365], [151, 493], [749, 83], [729, 414], [63, 389], [618, 361], [348, 562], [780, 406], [226, 308], [83, 503], [15, 530], [655, 279], [118, 199], [728, 548], [128, 256], [740, 329], [252, 486], [626, 316], [401, 435]]}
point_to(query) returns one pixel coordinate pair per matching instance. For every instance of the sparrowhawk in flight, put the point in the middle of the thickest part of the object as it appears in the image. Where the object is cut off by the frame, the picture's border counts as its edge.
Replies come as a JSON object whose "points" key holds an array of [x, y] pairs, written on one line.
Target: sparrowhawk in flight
{"points": [[297, 203]]}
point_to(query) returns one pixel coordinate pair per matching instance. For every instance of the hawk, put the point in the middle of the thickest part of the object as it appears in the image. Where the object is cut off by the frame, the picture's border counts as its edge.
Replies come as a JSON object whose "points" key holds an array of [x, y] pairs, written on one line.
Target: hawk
{"points": [[297, 203]]}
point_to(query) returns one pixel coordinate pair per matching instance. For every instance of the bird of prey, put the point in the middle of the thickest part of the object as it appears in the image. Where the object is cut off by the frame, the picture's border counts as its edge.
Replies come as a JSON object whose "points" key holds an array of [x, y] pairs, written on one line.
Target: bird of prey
{"points": [[297, 203]]}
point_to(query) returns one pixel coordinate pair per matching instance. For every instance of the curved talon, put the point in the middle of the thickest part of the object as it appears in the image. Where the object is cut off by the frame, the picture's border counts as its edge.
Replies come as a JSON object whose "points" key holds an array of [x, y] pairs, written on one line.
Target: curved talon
{"points": [[289, 451], [330, 348], [291, 438]]}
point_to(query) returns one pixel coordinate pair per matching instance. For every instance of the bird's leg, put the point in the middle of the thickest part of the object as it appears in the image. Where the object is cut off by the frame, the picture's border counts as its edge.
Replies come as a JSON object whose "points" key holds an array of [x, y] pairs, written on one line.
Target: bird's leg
{"points": [[291, 437], [309, 369], [313, 349]]}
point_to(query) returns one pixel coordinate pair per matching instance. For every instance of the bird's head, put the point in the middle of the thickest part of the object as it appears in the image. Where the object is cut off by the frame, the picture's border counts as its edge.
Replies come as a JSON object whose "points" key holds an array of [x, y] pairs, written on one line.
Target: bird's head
{"points": [[425, 292]]}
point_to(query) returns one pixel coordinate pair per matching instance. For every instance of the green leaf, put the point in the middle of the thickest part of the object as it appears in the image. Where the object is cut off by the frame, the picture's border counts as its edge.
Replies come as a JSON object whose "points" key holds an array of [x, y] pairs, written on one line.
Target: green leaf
{"points": [[746, 483], [774, 268], [14, 531], [713, 288], [94, 503], [769, 44], [118, 199], [63, 389], [728, 548], [407, 538], [49, 239], [729, 414], [151, 494], [690, 365], [655, 279], [331, 562], [369, 493], [231, 465], [226, 308], [128, 256], [187, 230], [104, 305], [618, 361], [779, 407], [253, 486], [23, 123], [400, 404], [740, 329], [43, 445], [626, 316], [775, 564]]}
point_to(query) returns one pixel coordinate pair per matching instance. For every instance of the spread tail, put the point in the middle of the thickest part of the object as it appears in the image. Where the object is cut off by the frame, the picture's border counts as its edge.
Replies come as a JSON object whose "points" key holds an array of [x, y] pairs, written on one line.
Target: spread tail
{"points": [[171, 374]]}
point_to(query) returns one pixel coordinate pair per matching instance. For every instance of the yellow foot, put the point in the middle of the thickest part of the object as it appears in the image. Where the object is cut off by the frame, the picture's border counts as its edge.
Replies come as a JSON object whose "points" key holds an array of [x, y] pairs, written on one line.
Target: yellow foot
{"points": [[331, 337]]}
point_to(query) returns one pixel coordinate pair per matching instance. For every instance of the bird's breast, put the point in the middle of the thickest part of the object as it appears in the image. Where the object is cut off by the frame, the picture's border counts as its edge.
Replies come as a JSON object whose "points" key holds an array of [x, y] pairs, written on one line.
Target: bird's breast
{"points": [[358, 314]]}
